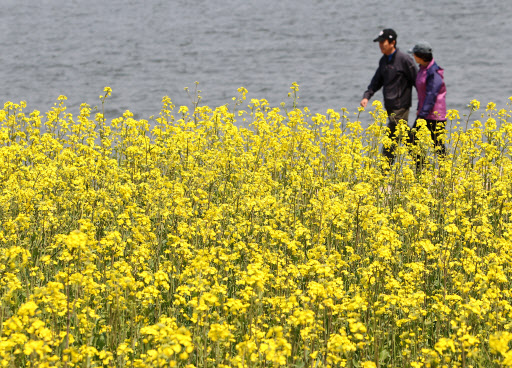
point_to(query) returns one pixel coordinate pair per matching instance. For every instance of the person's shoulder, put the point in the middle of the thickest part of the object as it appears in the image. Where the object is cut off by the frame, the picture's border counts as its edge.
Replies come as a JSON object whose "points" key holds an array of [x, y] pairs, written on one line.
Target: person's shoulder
{"points": [[437, 71], [400, 53], [434, 68], [383, 59], [405, 57]]}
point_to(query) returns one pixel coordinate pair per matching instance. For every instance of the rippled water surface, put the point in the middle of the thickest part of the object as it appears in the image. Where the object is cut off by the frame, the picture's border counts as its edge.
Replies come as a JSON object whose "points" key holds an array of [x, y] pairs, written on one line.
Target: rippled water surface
{"points": [[145, 50]]}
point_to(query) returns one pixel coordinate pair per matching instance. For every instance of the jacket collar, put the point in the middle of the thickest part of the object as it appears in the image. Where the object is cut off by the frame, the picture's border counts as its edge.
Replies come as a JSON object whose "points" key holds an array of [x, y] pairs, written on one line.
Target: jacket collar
{"points": [[390, 58]]}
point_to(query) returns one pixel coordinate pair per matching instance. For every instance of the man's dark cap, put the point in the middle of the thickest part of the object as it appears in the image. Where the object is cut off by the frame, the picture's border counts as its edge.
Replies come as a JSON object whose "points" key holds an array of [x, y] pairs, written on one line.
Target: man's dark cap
{"points": [[386, 34]]}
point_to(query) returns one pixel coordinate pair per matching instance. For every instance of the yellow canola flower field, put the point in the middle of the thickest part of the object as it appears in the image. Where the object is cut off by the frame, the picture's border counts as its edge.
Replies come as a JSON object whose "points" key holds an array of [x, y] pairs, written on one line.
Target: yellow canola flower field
{"points": [[189, 241]]}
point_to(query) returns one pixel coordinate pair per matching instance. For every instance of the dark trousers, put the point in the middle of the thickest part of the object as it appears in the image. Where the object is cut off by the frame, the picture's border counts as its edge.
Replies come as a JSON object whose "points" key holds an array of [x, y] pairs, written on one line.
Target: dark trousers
{"points": [[394, 118], [436, 128]]}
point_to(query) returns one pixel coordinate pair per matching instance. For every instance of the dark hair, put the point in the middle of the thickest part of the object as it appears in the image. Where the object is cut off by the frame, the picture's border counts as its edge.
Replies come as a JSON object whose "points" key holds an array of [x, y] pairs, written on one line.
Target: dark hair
{"points": [[425, 56]]}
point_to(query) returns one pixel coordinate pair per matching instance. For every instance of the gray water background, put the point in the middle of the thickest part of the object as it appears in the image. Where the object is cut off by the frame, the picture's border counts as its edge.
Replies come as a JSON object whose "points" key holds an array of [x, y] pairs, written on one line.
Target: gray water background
{"points": [[145, 50]]}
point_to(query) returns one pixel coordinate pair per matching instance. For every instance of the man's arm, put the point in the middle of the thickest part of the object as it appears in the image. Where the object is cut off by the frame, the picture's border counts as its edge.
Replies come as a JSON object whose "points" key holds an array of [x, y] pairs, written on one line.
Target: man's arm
{"points": [[375, 85], [410, 71]]}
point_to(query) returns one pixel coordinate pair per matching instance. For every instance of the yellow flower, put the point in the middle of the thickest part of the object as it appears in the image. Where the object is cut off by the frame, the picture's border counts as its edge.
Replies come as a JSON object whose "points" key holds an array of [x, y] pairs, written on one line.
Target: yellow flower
{"points": [[368, 364], [499, 342], [452, 114], [444, 344], [220, 332], [28, 309], [474, 104], [377, 104]]}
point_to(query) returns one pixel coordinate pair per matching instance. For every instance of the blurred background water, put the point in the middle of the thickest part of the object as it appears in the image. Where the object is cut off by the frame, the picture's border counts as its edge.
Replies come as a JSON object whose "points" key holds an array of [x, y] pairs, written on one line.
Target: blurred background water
{"points": [[145, 50]]}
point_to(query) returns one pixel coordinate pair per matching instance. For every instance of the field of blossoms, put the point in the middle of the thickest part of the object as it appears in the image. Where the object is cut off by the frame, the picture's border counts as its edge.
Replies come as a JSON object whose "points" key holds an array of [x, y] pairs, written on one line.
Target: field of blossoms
{"points": [[253, 236]]}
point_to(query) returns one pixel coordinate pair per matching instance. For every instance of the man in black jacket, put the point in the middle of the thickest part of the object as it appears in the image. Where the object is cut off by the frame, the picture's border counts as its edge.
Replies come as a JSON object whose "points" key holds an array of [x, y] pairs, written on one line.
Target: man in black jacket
{"points": [[397, 75]]}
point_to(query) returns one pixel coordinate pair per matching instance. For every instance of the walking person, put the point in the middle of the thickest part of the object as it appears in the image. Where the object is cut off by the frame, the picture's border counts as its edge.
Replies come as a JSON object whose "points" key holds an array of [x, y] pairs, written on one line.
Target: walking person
{"points": [[396, 74], [431, 96]]}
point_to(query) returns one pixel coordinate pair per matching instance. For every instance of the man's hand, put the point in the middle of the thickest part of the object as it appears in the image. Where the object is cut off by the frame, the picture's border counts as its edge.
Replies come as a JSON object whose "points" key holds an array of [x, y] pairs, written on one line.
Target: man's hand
{"points": [[364, 102]]}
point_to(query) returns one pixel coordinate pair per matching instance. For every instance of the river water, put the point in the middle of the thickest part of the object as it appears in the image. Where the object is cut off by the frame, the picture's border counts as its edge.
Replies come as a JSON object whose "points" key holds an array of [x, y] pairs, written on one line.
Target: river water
{"points": [[145, 50]]}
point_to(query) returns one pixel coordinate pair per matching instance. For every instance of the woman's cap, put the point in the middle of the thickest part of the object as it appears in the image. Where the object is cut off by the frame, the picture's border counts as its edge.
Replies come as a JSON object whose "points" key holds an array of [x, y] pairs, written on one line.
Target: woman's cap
{"points": [[422, 47]]}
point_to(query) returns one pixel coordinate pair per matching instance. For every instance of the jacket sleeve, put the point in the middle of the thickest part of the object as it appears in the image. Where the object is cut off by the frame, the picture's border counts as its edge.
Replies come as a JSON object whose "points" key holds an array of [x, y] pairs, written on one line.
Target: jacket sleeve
{"points": [[434, 84], [375, 84], [411, 71]]}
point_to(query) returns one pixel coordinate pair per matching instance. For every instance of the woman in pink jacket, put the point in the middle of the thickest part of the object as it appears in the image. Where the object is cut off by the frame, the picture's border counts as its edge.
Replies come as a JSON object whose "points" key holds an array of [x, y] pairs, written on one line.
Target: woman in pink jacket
{"points": [[431, 94]]}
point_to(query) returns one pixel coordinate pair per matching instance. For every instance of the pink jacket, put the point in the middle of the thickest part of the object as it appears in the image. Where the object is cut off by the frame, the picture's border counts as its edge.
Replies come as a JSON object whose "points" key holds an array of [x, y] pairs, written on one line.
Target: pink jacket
{"points": [[431, 92]]}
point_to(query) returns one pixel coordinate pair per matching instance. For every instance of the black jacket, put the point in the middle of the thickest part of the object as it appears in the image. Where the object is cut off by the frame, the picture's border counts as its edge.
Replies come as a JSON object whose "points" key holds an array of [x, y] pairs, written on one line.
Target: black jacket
{"points": [[397, 77]]}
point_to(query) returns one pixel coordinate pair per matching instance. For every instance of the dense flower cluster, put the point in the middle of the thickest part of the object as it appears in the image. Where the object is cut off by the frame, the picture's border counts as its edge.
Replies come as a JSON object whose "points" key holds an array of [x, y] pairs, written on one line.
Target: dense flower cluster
{"points": [[189, 241]]}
